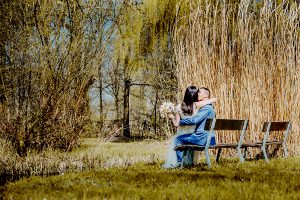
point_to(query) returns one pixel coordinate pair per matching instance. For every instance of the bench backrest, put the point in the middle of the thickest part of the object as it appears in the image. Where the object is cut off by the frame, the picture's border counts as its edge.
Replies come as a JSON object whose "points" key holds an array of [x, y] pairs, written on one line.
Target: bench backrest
{"points": [[226, 124], [275, 126]]}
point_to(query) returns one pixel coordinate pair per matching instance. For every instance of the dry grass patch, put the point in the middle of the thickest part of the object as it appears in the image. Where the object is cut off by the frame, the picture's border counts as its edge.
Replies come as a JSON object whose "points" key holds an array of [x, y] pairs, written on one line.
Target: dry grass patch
{"points": [[91, 154]]}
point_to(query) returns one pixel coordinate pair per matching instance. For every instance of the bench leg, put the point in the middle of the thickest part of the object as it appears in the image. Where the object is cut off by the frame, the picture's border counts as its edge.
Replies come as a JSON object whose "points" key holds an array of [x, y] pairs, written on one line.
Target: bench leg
{"points": [[285, 152], [183, 157], [263, 148], [245, 152], [207, 158], [239, 151], [196, 158], [218, 155]]}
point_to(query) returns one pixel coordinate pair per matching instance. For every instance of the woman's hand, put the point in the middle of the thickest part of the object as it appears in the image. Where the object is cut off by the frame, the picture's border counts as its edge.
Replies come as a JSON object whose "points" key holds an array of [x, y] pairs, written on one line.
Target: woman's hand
{"points": [[174, 120], [171, 116]]}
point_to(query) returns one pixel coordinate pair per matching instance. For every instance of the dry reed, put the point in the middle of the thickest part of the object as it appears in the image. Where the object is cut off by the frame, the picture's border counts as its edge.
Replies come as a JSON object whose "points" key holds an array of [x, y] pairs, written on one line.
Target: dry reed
{"points": [[248, 55]]}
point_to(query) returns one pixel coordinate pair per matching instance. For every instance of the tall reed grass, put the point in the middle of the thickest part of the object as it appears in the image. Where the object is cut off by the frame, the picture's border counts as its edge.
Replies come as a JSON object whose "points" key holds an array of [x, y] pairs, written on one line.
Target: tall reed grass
{"points": [[248, 55]]}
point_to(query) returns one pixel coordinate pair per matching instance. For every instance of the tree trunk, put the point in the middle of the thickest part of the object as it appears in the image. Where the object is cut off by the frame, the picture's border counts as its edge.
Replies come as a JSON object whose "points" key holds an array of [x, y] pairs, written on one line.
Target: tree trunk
{"points": [[2, 63], [117, 88], [117, 105], [126, 127], [155, 113], [100, 79]]}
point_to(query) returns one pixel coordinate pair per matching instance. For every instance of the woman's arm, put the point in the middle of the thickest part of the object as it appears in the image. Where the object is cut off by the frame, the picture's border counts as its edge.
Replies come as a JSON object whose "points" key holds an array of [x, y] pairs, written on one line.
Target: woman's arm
{"points": [[200, 104], [175, 119]]}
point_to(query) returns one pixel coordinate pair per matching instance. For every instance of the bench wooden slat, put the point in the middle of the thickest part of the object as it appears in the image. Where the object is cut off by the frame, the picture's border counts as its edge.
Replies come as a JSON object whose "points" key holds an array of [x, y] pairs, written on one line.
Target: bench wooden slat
{"points": [[225, 124], [231, 145], [252, 144], [259, 144], [191, 147], [274, 142], [275, 126]]}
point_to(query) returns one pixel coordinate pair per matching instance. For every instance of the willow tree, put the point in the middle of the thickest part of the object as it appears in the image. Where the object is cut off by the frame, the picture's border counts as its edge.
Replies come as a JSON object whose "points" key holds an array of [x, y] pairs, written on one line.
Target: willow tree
{"points": [[144, 51]]}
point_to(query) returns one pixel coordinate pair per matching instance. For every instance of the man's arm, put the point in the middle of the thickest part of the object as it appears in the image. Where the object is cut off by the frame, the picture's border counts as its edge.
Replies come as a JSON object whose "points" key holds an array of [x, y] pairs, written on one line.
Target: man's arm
{"points": [[201, 115], [200, 104]]}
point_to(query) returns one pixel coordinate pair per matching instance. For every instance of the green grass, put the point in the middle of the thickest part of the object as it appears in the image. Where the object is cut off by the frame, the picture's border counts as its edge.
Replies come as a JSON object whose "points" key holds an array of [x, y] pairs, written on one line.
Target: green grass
{"points": [[279, 179], [132, 170]]}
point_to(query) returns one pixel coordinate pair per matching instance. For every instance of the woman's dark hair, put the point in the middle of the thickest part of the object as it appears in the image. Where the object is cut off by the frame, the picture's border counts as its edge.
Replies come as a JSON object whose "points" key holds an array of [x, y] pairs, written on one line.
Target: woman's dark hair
{"points": [[190, 96]]}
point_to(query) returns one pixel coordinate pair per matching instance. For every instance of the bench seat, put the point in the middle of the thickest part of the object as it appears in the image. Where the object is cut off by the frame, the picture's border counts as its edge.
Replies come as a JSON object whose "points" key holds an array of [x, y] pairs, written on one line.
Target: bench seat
{"points": [[200, 148]]}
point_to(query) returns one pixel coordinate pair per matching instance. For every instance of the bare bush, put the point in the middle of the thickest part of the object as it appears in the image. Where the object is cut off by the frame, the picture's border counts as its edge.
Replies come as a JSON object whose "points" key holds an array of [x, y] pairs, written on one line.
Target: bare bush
{"points": [[47, 67]]}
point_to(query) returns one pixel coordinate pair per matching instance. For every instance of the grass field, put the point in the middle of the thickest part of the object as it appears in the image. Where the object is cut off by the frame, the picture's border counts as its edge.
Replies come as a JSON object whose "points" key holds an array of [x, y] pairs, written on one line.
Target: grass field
{"points": [[143, 178]]}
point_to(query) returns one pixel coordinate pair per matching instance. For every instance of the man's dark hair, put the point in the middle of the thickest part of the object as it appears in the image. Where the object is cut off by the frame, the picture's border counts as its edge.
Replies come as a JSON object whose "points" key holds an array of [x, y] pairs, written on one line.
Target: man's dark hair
{"points": [[207, 91]]}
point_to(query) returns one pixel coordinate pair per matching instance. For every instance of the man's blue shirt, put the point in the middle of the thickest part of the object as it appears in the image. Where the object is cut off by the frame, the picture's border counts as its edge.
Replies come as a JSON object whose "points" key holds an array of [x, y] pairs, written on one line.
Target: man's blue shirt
{"points": [[200, 135], [199, 119]]}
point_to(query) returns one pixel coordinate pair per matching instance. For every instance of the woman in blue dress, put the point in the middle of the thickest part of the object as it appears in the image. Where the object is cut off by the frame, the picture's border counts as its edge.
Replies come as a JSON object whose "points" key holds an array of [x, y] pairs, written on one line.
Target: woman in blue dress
{"points": [[188, 108]]}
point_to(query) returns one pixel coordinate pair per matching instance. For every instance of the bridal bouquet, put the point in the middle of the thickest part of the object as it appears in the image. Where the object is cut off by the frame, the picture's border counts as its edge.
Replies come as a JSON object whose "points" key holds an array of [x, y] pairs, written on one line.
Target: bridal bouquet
{"points": [[166, 108]]}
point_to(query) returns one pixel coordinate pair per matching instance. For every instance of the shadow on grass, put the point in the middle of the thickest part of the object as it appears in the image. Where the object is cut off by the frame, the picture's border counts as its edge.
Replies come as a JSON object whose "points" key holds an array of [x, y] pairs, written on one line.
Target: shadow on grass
{"points": [[134, 138]]}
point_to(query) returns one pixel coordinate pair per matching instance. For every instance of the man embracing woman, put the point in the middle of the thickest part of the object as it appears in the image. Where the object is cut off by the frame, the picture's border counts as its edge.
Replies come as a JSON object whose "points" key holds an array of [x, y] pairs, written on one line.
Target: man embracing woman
{"points": [[190, 118]]}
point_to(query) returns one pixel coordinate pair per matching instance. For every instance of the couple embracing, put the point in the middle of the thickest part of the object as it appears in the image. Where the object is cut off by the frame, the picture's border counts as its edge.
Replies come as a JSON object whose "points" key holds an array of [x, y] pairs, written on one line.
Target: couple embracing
{"points": [[190, 120]]}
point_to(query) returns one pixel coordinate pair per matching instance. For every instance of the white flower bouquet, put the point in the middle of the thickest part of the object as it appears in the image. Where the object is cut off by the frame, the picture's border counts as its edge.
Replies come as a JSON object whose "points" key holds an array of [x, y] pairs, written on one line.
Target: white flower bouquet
{"points": [[166, 108]]}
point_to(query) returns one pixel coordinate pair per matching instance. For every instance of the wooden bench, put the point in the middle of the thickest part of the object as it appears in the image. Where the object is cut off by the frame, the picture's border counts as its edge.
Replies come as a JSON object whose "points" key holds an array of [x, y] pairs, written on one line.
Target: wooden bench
{"points": [[270, 127], [212, 125]]}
